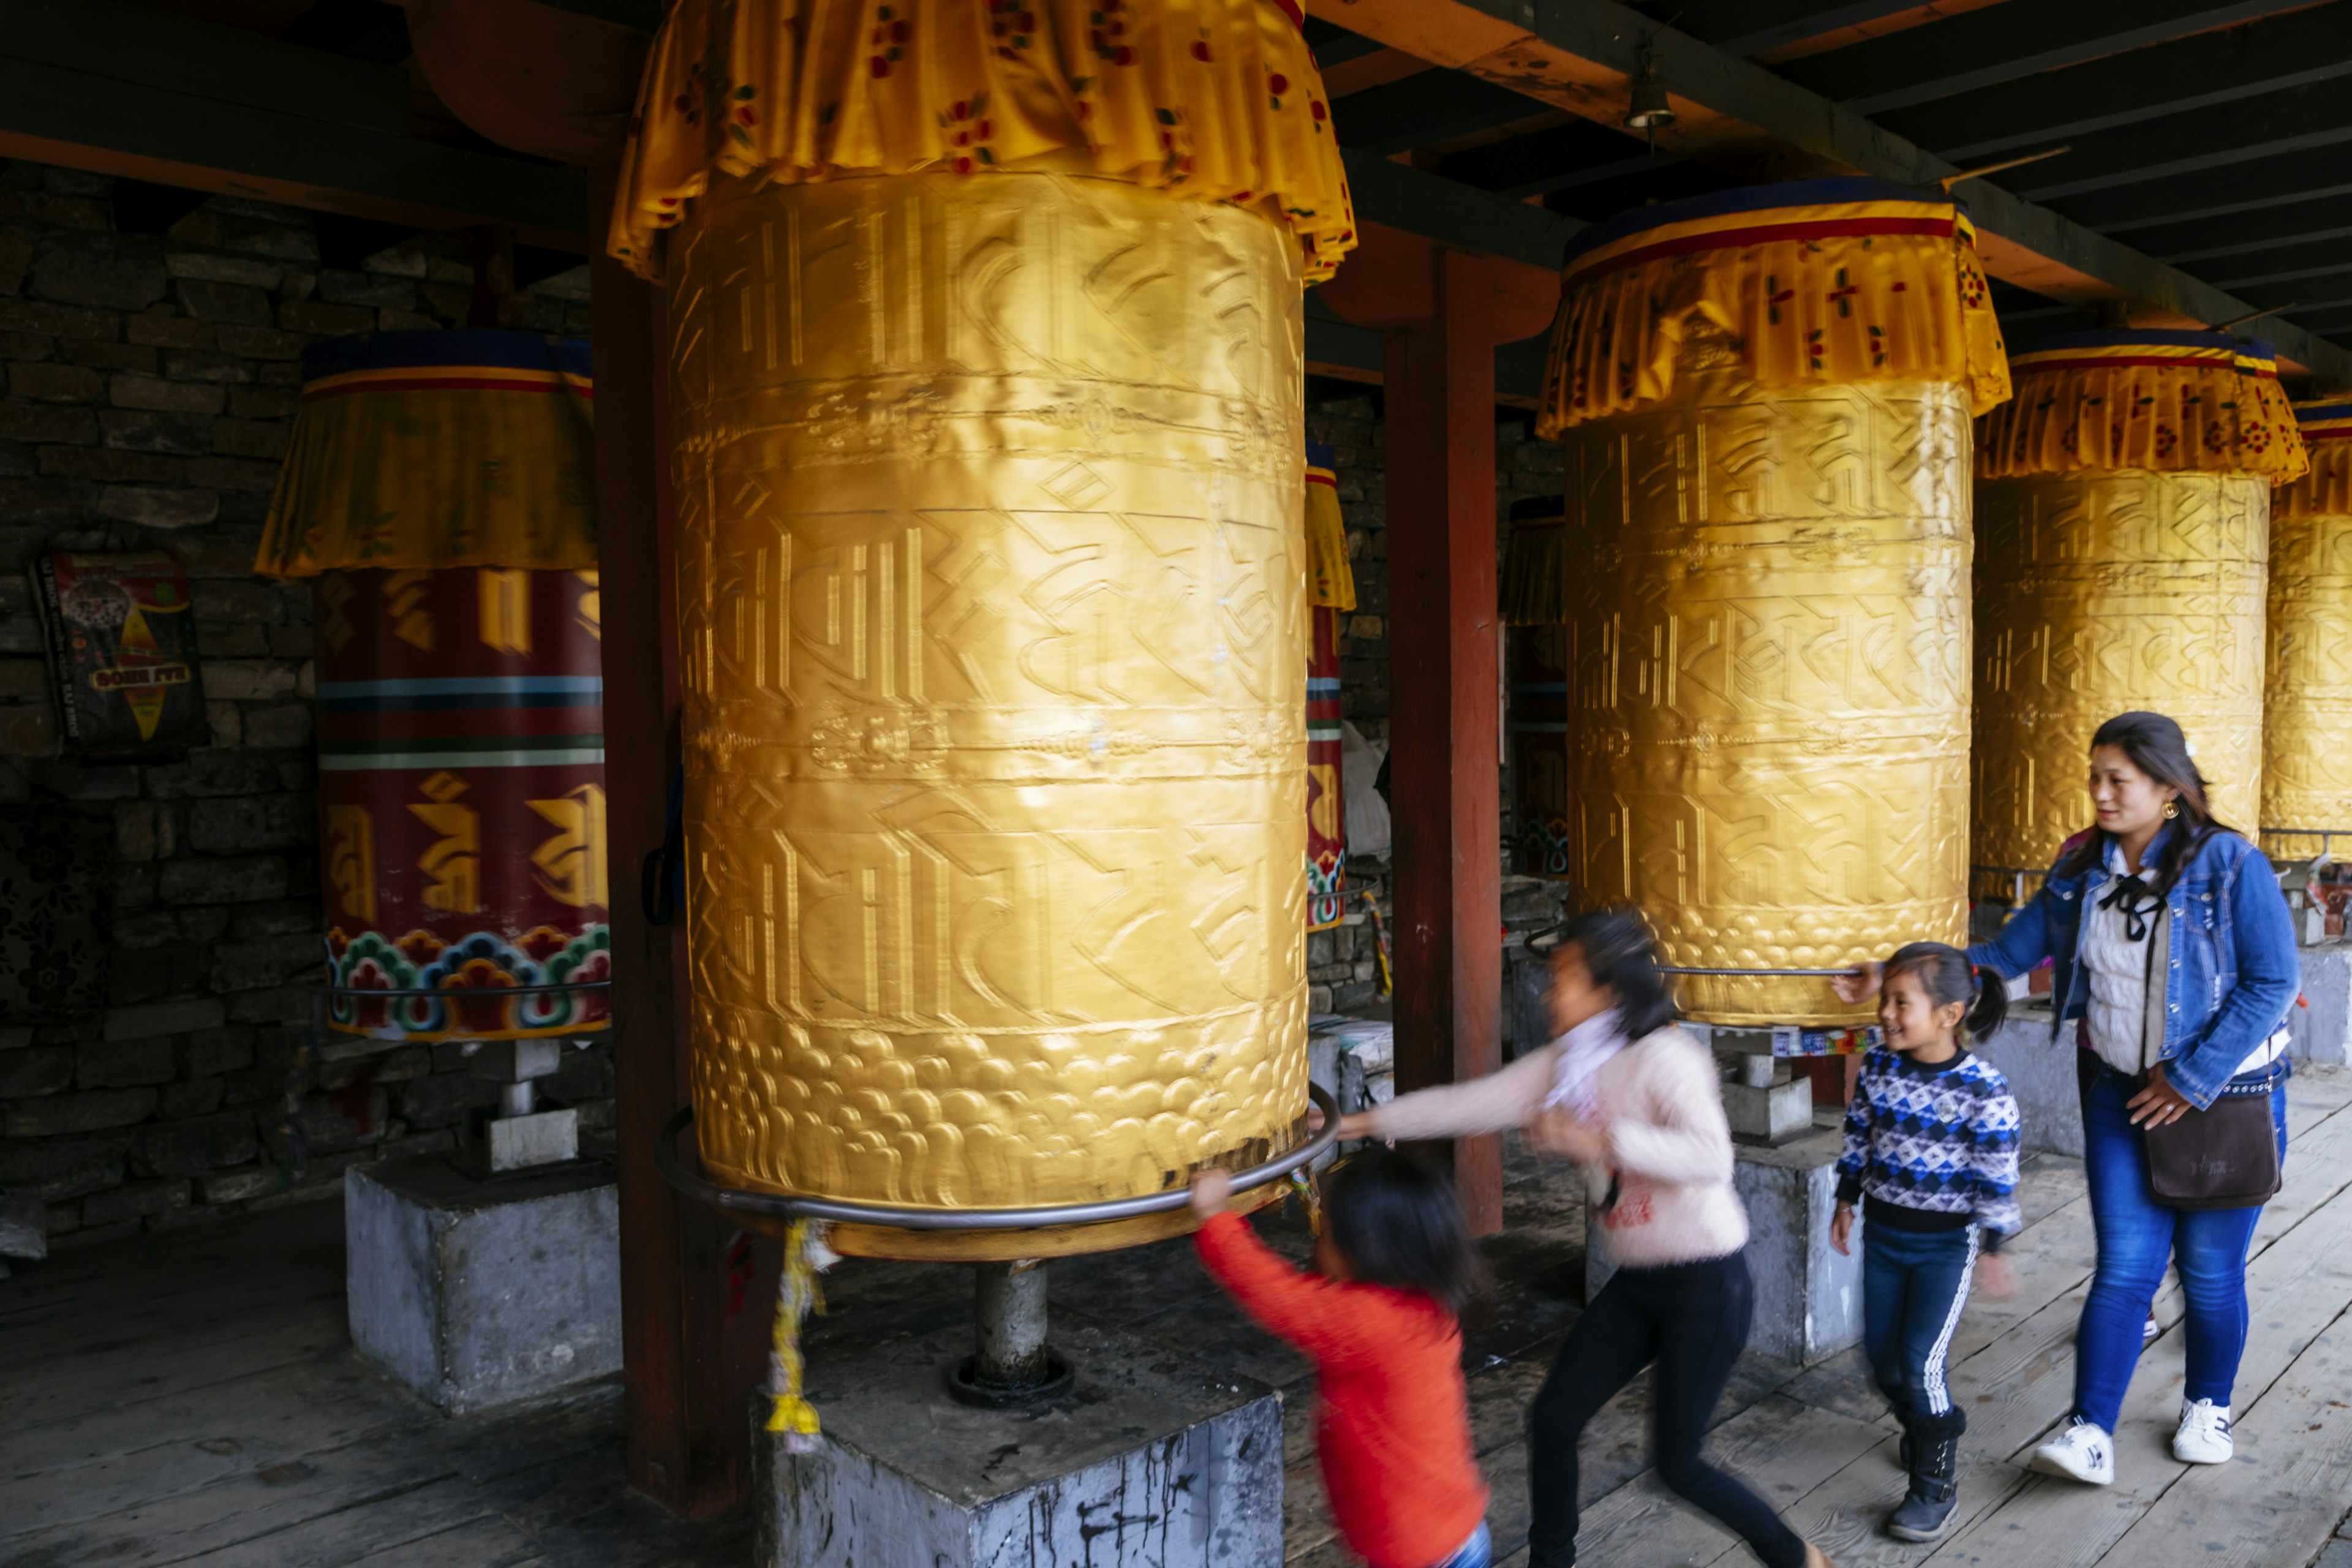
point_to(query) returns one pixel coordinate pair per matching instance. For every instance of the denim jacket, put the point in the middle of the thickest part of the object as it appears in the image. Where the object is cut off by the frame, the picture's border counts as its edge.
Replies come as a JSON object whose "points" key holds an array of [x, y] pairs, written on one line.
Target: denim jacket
{"points": [[2231, 971]]}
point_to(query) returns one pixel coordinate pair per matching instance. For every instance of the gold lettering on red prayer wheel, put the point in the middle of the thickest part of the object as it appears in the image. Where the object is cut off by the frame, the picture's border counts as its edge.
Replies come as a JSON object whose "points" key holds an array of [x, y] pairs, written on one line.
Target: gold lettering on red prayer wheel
{"points": [[992, 588], [1770, 674], [461, 803], [2307, 664]]}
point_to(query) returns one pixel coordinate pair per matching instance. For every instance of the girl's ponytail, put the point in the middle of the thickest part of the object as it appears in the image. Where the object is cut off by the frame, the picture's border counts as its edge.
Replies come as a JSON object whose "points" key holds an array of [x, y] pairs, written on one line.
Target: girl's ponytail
{"points": [[1989, 1005]]}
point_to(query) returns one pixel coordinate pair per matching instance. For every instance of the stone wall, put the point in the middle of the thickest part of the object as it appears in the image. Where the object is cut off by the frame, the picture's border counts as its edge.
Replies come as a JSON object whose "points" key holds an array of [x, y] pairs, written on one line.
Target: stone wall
{"points": [[1342, 968], [151, 380]]}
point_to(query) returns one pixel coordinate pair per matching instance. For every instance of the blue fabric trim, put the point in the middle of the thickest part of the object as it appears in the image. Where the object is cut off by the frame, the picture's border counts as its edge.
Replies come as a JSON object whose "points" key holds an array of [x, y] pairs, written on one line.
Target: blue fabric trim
{"points": [[2133, 337], [1751, 198], [421, 350], [1319, 455]]}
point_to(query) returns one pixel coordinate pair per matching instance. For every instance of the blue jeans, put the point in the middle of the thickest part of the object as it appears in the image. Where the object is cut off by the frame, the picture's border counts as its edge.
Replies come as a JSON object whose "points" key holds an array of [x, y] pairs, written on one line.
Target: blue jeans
{"points": [[2137, 1236], [1914, 1284], [1478, 1552]]}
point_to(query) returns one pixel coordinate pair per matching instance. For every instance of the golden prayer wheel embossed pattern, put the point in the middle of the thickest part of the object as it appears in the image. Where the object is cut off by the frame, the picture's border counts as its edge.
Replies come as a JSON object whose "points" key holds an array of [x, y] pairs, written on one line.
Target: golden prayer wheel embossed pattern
{"points": [[1770, 674], [2307, 706], [2104, 588], [2097, 594], [992, 578]]}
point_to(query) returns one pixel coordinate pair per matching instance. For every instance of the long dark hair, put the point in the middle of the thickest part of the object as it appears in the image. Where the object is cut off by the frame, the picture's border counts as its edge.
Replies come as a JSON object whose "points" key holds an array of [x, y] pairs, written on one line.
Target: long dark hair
{"points": [[1622, 957], [1944, 974], [2156, 746], [1394, 1217]]}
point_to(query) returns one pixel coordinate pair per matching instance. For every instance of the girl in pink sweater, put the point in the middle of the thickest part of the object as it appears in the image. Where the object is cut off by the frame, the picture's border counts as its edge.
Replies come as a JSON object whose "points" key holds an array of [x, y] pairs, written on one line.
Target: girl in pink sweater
{"points": [[1638, 1105]]}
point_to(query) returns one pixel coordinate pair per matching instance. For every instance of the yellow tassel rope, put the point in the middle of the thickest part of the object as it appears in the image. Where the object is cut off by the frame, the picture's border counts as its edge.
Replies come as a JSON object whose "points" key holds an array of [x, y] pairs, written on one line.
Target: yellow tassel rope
{"points": [[797, 1295]]}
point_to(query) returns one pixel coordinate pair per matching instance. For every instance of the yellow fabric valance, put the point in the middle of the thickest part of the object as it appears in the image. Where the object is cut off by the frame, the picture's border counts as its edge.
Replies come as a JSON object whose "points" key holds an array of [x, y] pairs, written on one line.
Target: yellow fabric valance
{"points": [[1331, 580], [2141, 397], [416, 451], [1213, 99], [1535, 564], [1821, 282], [2326, 491]]}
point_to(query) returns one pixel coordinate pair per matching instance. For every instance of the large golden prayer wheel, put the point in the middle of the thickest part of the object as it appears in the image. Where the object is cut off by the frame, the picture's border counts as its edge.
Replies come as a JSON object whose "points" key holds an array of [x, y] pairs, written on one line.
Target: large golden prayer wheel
{"points": [[992, 586], [2307, 699], [2123, 541], [1763, 400]]}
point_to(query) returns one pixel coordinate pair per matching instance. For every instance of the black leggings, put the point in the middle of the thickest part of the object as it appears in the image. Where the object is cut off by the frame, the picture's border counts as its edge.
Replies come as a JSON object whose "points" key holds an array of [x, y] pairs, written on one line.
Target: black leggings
{"points": [[1692, 1319]]}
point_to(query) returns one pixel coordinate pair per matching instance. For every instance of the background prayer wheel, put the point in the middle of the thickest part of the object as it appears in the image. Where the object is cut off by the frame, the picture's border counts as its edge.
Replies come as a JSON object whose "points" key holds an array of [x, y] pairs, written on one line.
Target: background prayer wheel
{"points": [[1762, 400], [2121, 563], [1537, 665], [437, 492], [1771, 676], [992, 589], [2307, 663]]}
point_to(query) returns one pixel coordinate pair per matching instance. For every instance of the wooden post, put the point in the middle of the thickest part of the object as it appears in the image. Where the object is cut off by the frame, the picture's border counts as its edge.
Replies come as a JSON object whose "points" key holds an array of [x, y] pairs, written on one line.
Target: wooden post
{"points": [[687, 1365], [1439, 373], [1444, 313]]}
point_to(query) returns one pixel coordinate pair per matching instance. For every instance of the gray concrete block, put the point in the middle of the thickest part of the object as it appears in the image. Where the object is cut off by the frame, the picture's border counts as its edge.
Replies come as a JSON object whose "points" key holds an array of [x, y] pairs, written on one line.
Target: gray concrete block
{"points": [[1772, 1114], [2321, 1029], [1807, 1297], [2041, 1072], [476, 1294], [1152, 1461]]}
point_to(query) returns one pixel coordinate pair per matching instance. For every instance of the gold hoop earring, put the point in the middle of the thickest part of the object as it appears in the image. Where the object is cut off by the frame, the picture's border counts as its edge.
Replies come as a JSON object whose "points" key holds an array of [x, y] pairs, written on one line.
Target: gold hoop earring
{"points": [[2172, 809]]}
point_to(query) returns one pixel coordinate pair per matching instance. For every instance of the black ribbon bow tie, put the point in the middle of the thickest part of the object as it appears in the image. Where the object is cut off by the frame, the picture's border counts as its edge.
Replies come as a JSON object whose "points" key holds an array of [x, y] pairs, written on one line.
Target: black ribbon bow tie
{"points": [[2129, 891]]}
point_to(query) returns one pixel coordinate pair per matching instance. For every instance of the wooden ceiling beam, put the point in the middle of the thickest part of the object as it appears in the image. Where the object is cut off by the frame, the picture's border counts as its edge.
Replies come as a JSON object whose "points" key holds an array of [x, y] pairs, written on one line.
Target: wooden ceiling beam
{"points": [[1582, 55]]}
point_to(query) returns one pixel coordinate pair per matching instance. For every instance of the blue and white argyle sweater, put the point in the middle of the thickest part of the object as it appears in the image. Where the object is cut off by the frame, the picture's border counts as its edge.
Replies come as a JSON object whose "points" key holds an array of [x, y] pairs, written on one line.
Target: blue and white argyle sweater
{"points": [[1932, 1148]]}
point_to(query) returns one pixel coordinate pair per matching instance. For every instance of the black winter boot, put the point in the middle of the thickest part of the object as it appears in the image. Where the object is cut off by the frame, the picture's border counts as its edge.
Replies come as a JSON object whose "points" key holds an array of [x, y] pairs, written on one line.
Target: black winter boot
{"points": [[1926, 1512]]}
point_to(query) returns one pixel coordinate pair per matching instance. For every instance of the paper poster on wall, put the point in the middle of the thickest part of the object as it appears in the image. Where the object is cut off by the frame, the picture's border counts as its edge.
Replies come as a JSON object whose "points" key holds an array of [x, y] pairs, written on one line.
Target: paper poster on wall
{"points": [[122, 654]]}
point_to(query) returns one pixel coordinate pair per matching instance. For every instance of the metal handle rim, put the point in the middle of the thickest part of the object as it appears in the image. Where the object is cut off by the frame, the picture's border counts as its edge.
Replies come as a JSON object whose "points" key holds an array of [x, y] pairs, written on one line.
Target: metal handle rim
{"points": [[903, 1216]]}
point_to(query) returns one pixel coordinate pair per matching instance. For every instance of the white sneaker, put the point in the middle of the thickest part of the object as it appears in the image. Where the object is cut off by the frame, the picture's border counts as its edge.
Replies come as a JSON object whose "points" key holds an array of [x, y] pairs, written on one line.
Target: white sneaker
{"points": [[2204, 1435], [2081, 1453]]}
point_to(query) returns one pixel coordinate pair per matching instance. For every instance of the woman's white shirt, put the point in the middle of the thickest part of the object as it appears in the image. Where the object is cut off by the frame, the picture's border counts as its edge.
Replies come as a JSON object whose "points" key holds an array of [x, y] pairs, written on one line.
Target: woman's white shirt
{"points": [[2119, 969]]}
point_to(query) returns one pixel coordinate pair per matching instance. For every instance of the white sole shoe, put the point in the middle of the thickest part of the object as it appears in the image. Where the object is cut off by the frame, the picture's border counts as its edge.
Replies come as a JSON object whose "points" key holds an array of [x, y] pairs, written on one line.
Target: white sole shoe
{"points": [[2204, 1435], [2080, 1453]]}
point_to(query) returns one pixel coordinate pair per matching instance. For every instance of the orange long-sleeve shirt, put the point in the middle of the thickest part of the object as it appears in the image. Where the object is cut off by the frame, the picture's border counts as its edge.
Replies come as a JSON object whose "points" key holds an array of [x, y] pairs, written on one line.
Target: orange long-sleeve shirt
{"points": [[1392, 1422]]}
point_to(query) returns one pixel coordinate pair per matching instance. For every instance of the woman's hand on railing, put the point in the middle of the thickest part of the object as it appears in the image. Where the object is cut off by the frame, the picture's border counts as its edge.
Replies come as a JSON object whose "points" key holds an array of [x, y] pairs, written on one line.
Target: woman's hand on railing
{"points": [[1858, 986]]}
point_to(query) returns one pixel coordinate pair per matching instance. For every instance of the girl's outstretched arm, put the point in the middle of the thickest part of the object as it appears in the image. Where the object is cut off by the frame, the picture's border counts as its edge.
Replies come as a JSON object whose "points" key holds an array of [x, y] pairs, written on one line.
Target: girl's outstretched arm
{"points": [[1306, 1309]]}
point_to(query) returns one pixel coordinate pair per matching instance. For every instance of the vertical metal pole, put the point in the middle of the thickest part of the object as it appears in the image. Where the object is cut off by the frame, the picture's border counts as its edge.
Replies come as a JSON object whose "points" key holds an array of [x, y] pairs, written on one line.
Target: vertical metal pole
{"points": [[1008, 1302]]}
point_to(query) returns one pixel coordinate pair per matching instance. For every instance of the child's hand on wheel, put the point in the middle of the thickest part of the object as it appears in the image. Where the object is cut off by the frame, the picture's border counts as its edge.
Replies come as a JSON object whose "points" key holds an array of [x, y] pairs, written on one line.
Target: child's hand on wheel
{"points": [[1212, 1189]]}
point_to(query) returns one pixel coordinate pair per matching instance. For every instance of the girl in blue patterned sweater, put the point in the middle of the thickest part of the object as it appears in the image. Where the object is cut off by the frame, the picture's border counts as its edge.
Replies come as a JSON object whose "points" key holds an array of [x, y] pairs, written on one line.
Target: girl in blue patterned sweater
{"points": [[1931, 1151]]}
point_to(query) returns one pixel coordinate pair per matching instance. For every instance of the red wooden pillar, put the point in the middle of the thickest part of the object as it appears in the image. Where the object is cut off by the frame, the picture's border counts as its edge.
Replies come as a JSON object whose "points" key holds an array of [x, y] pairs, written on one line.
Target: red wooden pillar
{"points": [[687, 1365], [1444, 313]]}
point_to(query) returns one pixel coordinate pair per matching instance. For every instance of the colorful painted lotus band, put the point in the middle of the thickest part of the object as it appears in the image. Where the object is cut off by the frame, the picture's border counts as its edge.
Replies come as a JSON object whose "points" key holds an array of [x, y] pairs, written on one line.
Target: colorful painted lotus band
{"points": [[489, 984]]}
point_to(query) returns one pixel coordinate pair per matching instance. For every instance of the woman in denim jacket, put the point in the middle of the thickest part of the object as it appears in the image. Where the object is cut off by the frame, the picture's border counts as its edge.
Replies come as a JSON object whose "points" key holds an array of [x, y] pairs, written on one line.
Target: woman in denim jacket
{"points": [[2159, 889]]}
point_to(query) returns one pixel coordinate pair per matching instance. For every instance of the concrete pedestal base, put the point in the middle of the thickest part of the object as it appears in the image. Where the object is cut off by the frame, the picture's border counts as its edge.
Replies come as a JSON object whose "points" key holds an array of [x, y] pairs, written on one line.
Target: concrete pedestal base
{"points": [[2041, 1073], [2321, 1029], [476, 1293], [1808, 1299], [1151, 1461]]}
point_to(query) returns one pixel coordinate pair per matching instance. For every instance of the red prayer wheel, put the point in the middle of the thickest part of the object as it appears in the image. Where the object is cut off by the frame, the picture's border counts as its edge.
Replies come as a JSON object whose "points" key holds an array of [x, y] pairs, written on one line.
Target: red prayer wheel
{"points": [[461, 798]]}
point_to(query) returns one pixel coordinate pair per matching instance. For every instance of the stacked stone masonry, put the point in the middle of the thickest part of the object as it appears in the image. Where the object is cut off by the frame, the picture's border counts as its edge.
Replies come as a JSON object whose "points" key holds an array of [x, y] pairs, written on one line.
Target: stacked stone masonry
{"points": [[1342, 971], [151, 382]]}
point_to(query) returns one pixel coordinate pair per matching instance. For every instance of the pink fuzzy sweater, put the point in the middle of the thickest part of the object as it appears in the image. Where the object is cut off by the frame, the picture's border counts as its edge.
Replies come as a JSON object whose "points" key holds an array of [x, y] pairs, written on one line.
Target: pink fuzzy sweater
{"points": [[1669, 1147]]}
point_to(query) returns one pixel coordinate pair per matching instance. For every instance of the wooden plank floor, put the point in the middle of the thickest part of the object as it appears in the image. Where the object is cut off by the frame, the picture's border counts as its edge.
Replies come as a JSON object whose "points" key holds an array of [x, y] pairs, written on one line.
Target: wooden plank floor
{"points": [[194, 1398]]}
